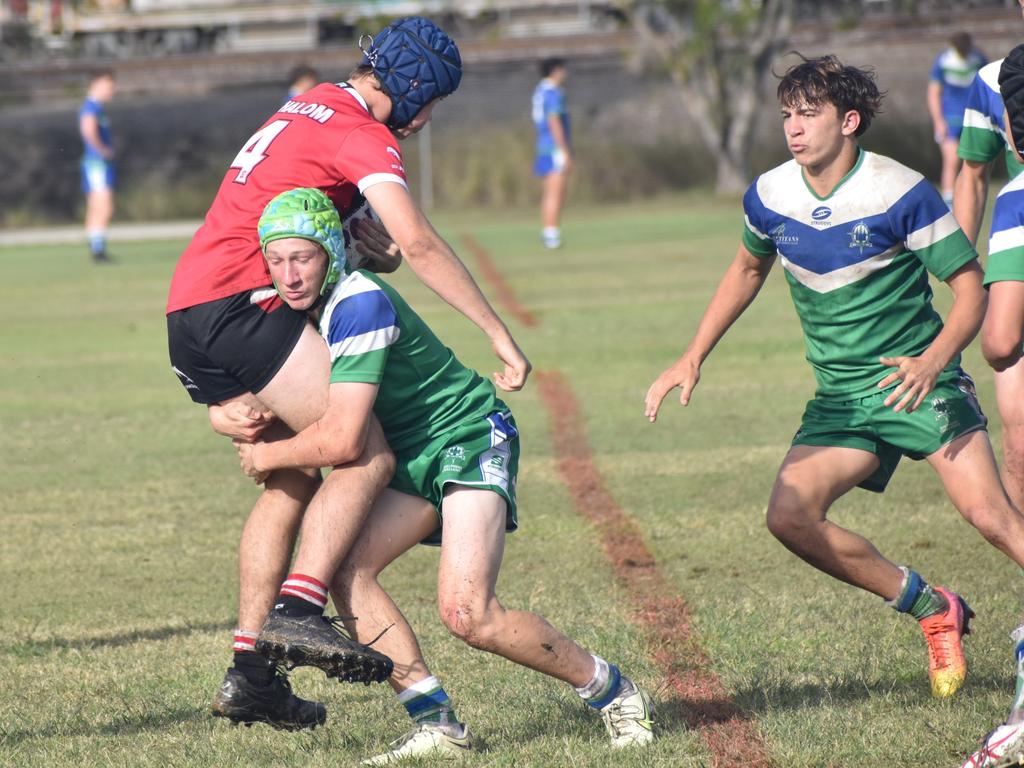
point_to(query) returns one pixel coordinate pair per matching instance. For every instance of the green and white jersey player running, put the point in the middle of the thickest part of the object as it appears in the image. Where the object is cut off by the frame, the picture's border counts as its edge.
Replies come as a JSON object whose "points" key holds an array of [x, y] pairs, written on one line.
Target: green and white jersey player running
{"points": [[457, 452], [858, 235]]}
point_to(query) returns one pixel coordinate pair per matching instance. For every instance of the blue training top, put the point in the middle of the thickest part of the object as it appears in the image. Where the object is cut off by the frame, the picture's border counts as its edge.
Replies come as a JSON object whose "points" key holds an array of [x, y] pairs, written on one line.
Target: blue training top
{"points": [[93, 107], [956, 73], [548, 99]]}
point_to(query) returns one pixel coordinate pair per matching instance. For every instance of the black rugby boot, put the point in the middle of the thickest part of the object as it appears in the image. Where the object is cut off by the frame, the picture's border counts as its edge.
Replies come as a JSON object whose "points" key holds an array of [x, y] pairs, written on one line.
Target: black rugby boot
{"points": [[241, 701], [317, 641]]}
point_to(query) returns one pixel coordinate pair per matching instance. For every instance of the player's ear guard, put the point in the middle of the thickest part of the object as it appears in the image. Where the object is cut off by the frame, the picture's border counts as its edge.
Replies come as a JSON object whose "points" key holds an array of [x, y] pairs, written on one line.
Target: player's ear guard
{"points": [[416, 62], [1011, 88]]}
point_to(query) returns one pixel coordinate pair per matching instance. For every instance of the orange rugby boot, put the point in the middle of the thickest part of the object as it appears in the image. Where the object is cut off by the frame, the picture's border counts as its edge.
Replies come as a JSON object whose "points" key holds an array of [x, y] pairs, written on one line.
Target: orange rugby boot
{"points": [[943, 631]]}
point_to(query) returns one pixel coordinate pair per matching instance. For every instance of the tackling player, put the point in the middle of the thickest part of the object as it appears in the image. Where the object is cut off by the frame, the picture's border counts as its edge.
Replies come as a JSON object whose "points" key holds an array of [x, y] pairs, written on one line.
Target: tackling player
{"points": [[1004, 322], [457, 451], [232, 338], [858, 234]]}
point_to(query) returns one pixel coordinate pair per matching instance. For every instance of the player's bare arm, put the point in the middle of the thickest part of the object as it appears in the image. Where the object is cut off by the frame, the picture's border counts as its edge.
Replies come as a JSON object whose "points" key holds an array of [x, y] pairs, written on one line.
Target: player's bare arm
{"points": [[969, 197], [338, 437], [436, 264], [739, 286], [917, 375]]}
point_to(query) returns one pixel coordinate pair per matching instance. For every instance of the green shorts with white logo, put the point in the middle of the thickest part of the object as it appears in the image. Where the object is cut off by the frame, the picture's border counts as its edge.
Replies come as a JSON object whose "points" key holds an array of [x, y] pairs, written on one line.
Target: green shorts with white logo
{"points": [[481, 454], [949, 411]]}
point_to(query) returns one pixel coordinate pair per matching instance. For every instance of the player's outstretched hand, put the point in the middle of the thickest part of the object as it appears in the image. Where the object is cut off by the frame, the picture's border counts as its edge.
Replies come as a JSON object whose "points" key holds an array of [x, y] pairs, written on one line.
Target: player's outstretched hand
{"points": [[239, 421], [684, 373], [246, 455], [377, 251], [917, 376], [517, 367]]}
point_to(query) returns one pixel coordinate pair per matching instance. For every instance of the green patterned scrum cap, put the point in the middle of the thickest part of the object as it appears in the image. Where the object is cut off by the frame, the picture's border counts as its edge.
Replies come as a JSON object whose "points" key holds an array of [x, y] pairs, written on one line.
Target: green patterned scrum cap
{"points": [[309, 214]]}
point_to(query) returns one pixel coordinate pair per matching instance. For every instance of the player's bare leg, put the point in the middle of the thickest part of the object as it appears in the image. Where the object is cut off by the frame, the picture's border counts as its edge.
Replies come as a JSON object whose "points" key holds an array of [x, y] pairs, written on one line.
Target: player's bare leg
{"points": [[252, 691], [809, 482], [950, 167], [296, 632], [553, 192], [99, 209], [396, 524], [471, 554], [967, 468], [297, 395]]}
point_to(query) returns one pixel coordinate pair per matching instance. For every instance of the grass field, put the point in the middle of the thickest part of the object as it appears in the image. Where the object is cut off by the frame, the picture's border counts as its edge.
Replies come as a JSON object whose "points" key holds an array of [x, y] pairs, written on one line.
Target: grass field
{"points": [[121, 514]]}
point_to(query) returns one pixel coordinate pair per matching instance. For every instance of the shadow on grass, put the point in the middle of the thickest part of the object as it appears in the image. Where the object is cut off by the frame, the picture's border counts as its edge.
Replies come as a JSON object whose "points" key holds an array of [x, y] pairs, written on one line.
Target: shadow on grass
{"points": [[126, 724], [30, 647], [782, 695]]}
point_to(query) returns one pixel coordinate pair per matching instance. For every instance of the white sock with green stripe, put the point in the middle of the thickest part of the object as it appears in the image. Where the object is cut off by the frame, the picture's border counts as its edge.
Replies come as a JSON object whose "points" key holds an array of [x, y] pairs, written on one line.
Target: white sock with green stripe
{"points": [[428, 704], [603, 686]]}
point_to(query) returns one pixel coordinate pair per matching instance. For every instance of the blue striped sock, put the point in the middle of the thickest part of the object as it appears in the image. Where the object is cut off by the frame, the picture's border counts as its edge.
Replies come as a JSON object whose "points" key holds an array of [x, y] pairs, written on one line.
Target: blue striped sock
{"points": [[603, 686], [427, 702]]}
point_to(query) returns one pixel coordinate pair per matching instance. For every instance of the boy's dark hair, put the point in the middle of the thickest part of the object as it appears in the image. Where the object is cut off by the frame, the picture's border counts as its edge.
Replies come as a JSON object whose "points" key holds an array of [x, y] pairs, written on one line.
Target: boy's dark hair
{"points": [[101, 74], [826, 80], [365, 70], [962, 42], [549, 65], [301, 72]]}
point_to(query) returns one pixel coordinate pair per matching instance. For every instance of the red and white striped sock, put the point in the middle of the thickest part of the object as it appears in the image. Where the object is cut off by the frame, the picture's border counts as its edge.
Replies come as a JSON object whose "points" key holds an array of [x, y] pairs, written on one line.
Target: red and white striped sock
{"points": [[245, 641], [302, 595]]}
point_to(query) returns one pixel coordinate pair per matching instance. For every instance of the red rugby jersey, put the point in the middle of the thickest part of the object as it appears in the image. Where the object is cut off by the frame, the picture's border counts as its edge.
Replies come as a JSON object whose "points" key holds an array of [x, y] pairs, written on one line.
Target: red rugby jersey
{"points": [[324, 138]]}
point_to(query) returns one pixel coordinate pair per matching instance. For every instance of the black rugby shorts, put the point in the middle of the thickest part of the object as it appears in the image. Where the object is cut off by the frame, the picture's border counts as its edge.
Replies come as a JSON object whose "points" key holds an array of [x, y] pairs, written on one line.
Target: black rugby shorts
{"points": [[225, 348]]}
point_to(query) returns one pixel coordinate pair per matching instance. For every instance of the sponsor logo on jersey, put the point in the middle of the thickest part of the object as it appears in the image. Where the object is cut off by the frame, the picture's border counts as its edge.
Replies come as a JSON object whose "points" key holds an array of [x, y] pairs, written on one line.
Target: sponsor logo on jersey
{"points": [[310, 109], [860, 237], [779, 236], [820, 216]]}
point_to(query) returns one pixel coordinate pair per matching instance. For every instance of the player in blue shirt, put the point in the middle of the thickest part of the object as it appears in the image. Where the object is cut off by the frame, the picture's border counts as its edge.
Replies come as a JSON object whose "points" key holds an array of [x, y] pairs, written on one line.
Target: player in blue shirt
{"points": [[554, 159], [951, 77], [98, 174]]}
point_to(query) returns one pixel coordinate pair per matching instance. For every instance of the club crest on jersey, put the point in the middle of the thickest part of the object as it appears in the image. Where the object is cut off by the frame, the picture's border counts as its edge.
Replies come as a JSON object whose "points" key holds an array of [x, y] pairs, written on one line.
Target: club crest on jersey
{"points": [[820, 216], [779, 236], [860, 237]]}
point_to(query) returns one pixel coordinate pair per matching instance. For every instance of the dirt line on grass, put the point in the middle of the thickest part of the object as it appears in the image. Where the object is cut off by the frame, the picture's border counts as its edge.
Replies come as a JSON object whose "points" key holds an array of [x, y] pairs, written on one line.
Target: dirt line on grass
{"points": [[506, 296], [730, 733]]}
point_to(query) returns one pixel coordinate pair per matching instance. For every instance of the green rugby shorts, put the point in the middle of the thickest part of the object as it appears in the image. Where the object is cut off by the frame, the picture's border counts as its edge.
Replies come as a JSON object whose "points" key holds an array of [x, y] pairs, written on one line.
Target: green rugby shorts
{"points": [[949, 411], [480, 454]]}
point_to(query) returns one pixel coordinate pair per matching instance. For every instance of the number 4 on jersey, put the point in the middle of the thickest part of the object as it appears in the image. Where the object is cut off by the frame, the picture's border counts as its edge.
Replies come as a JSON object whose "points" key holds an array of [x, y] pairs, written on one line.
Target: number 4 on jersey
{"points": [[254, 151]]}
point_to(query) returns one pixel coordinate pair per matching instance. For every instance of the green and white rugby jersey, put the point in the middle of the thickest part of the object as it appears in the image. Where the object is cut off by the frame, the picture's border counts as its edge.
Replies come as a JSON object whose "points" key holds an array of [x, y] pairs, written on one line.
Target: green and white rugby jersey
{"points": [[857, 263], [984, 137], [376, 338]]}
